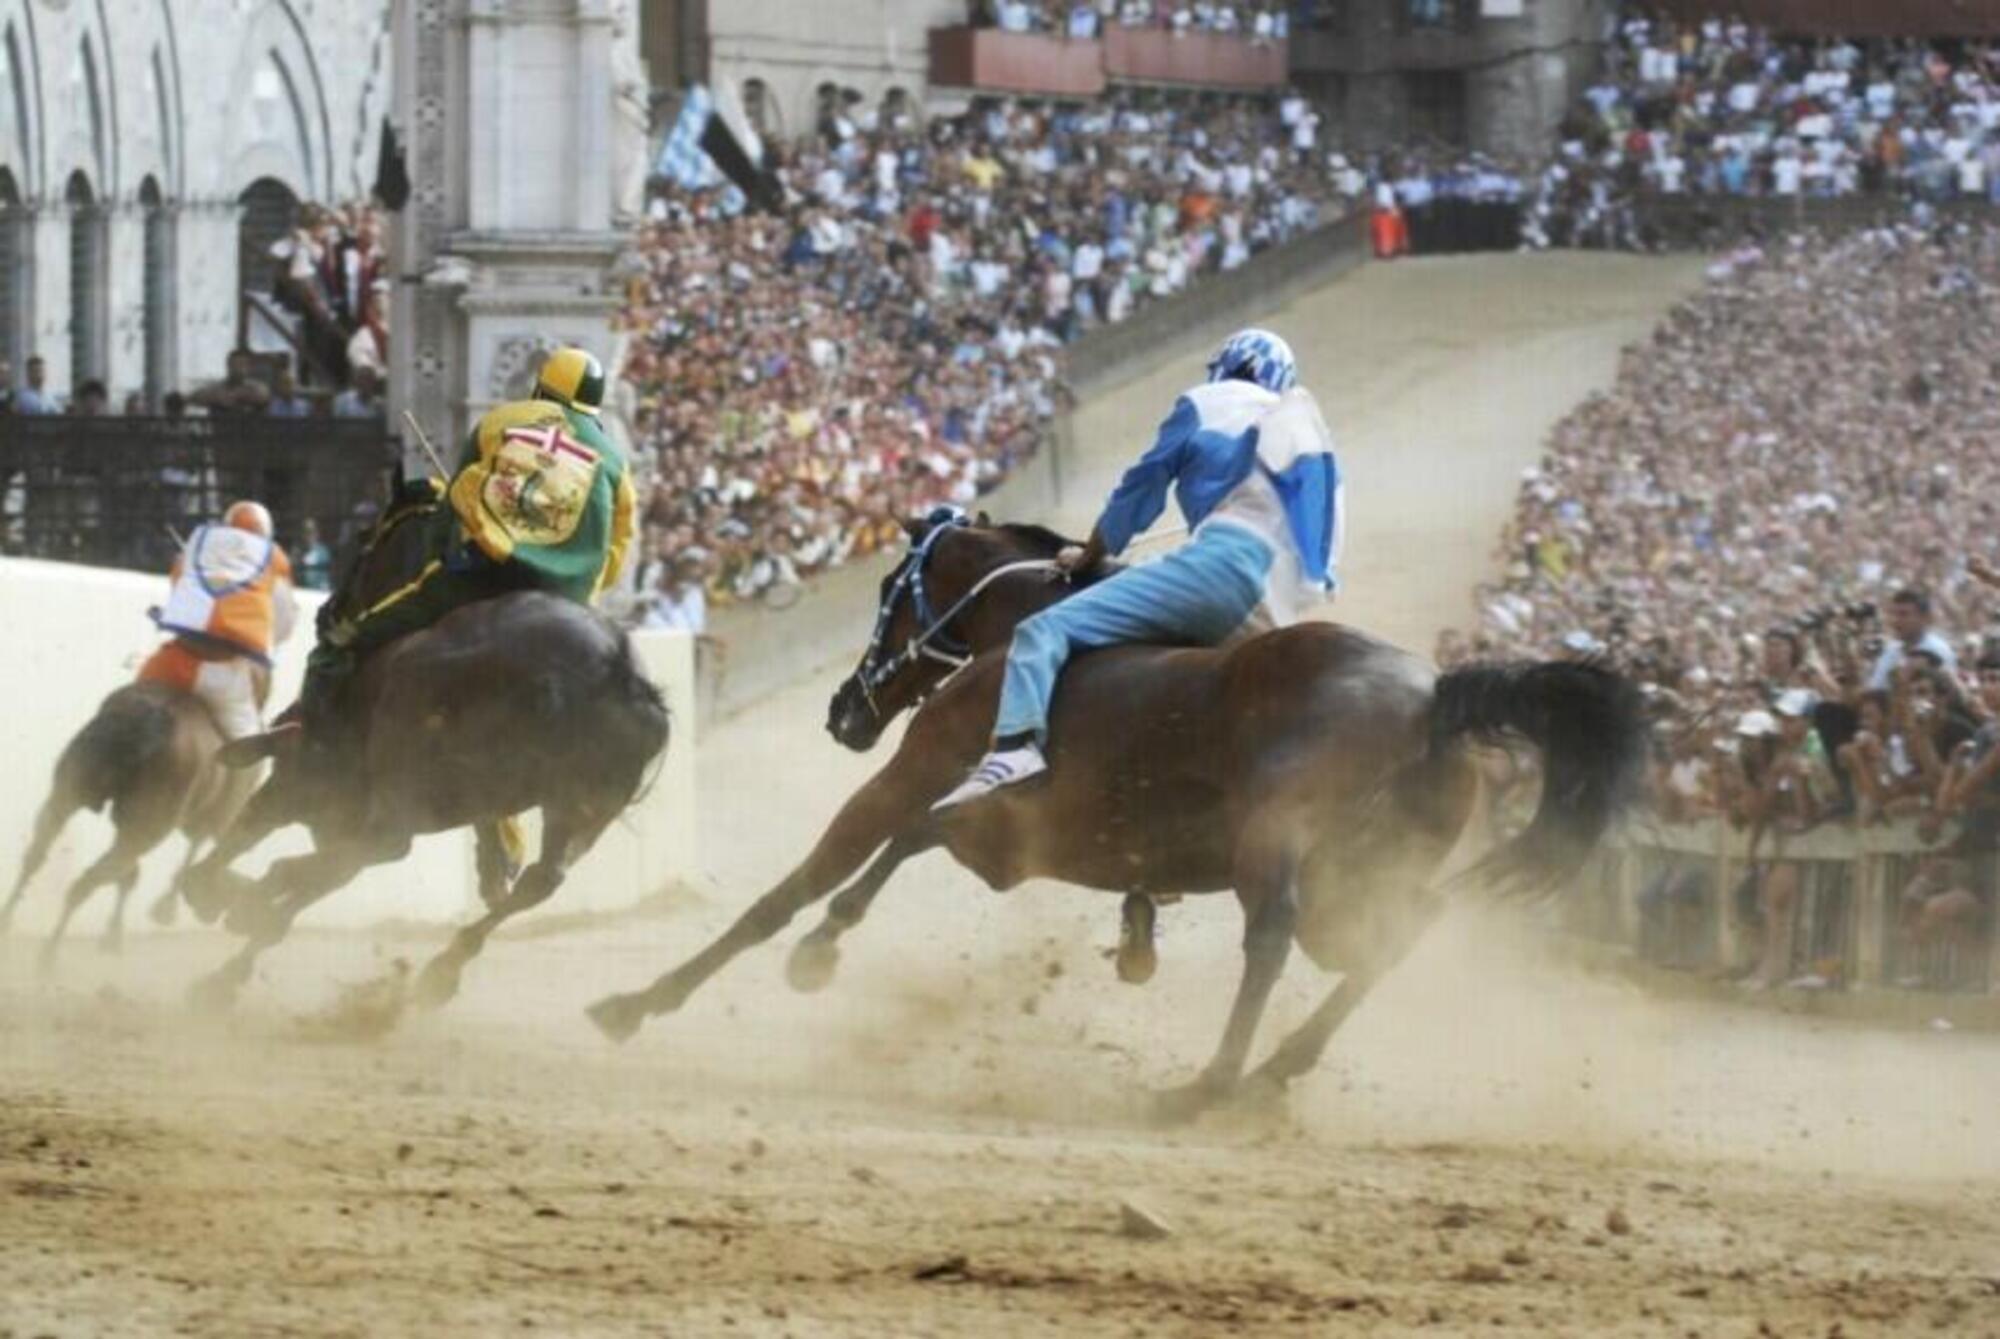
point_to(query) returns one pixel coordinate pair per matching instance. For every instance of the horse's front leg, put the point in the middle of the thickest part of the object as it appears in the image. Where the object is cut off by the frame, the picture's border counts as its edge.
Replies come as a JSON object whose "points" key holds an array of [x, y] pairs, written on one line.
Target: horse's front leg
{"points": [[1267, 886], [815, 957], [900, 793]]}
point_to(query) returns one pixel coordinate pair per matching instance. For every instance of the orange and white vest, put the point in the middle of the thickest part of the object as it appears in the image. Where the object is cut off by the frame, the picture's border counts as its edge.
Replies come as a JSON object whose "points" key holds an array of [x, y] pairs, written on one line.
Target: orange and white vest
{"points": [[232, 592]]}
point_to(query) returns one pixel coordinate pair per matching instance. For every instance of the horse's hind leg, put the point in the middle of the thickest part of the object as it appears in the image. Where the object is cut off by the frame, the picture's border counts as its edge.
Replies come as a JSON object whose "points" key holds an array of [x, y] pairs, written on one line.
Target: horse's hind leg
{"points": [[815, 957], [166, 907], [113, 938], [1369, 952], [868, 819], [494, 860], [291, 885], [48, 823], [1266, 884], [117, 865], [565, 837]]}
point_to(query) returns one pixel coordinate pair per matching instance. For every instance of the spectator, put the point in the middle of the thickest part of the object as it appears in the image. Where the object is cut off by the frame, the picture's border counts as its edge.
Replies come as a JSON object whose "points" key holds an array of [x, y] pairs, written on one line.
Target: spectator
{"points": [[676, 603], [239, 391], [286, 401], [314, 563], [362, 399], [1910, 634], [34, 398], [91, 400]]}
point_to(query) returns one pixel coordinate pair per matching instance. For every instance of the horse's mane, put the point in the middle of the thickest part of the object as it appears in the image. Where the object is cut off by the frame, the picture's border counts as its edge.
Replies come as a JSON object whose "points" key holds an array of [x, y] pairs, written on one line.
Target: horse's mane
{"points": [[1040, 536]]}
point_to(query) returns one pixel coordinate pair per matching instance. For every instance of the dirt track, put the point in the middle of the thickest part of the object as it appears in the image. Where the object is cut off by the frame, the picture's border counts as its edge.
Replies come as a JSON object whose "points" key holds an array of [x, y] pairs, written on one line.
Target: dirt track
{"points": [[939, 1145]]}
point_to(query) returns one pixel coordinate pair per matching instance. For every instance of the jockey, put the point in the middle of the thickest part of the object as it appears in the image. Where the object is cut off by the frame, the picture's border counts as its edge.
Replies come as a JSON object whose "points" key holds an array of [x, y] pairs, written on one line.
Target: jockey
{"points": [[230, 604], [1252, 464], [540, 501]]}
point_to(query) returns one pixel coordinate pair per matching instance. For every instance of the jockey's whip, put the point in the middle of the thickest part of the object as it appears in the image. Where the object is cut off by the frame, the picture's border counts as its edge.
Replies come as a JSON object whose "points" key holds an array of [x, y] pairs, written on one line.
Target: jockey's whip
{"points": [[174, 535], [443, 474]]}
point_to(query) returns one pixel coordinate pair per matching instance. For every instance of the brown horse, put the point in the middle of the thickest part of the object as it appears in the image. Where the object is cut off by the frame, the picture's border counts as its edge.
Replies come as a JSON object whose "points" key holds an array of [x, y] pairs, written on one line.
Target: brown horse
{"points": [[1319, 774], [519, 702], [148, 754]]}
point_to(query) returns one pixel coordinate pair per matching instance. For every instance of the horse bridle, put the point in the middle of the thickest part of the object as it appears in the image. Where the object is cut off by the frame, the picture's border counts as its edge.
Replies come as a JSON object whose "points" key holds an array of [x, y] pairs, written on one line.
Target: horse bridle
{"points": [[933, 639]]}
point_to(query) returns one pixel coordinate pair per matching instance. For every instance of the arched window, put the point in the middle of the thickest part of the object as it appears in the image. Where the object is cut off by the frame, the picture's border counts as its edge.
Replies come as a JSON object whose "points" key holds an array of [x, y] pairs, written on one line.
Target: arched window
{"points": [[14, 288], [759, 108], [86, 281], [899, 110], [155, 286], [270, 211]]}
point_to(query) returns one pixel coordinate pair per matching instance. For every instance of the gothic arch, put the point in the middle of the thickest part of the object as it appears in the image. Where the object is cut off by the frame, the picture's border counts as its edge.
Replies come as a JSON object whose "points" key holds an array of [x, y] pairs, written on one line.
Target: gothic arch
{"points": [[281, 128]]}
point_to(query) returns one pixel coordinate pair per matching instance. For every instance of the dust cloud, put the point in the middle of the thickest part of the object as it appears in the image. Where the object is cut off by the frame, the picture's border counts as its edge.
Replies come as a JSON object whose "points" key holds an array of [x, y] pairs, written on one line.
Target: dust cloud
{"points": [[942, 1141]]}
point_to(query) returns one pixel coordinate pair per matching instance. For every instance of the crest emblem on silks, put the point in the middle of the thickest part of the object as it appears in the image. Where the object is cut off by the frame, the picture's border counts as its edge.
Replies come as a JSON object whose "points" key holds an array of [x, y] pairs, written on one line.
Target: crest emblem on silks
{"points": [[538, 484]]}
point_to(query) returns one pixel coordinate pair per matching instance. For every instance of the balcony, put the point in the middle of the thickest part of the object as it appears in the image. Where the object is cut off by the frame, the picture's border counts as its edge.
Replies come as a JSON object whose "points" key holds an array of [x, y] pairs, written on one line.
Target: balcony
{"points": [[1041, 65], [1036, 64], [1208, 60]]}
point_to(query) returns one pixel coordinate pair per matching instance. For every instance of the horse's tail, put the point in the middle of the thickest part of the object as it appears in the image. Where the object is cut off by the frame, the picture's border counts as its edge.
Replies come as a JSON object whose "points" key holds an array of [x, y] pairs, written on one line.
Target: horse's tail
{"points": [[620, 719], [1588, 724], [111, 753]]}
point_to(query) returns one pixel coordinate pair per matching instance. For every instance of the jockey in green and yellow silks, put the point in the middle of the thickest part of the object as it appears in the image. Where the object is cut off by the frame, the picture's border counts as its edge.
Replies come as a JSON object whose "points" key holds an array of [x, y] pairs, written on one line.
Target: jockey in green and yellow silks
{"points": [[541, 500]]}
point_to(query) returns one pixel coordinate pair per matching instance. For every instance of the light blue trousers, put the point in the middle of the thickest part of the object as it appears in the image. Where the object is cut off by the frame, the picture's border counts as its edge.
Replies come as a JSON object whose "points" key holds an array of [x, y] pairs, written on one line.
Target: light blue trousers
{"points": [[1195, 596]]}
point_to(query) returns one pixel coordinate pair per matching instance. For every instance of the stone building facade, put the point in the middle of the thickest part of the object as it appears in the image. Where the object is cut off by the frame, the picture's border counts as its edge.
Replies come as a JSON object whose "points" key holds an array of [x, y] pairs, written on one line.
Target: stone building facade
{"points": [[144, 144], [1495, 75]]}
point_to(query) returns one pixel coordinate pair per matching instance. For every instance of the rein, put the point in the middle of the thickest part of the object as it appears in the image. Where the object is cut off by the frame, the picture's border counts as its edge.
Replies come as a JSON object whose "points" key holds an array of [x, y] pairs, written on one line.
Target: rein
{"points": [[931, 641]]}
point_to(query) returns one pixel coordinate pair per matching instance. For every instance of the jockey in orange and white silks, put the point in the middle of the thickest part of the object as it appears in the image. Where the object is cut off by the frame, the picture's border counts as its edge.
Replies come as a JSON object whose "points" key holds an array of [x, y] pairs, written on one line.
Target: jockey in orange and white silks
{"points": [[230, 605]]}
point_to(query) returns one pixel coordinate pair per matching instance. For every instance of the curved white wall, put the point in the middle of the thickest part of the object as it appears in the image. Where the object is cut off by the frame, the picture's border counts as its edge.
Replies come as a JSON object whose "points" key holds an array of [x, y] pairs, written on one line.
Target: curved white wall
{"points": [[72, 634]]}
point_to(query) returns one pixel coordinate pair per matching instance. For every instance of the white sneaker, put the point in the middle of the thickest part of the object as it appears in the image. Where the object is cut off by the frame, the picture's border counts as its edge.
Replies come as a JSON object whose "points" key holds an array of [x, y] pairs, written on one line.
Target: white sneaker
{"points": [[996, 770]]}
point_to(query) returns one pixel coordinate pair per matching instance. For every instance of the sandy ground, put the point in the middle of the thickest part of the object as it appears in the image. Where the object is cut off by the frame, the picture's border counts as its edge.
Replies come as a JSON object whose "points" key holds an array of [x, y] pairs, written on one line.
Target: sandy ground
{"points": [[942, 1142]]}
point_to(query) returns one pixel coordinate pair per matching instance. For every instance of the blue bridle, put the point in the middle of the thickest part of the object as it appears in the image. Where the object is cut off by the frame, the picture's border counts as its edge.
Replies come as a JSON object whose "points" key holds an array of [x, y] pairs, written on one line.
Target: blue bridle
{"points": [[932, 640]]}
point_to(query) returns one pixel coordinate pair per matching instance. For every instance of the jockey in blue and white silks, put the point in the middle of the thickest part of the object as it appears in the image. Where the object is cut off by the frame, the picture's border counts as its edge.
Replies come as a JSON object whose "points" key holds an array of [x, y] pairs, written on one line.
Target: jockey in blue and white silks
{"points": [[1251, 463]]}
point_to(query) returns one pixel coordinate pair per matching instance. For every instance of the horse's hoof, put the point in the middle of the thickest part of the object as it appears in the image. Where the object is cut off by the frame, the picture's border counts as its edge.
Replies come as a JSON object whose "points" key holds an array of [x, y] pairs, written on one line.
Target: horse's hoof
{"points": [[1179, 1105], [812, 964], [1137, 963], [436, 985], [214, 993], [254, 918], [618, 1016], [165, 911]]}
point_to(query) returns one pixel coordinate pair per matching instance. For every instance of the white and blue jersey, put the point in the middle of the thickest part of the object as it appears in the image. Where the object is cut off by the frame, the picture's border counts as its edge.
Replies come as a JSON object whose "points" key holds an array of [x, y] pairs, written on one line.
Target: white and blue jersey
{"points": [[1254, 474]]}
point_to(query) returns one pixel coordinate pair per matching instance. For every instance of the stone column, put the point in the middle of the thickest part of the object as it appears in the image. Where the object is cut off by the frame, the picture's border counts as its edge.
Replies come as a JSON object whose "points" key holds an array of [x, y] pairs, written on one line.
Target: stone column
{"points": [[505, 249], [47, 237], [125, 276], [205, 288]]}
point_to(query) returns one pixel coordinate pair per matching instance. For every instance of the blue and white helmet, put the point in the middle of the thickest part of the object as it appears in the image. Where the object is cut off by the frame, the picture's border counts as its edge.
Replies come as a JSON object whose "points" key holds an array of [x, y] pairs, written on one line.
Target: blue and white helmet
{"points": [[1255, 355]]}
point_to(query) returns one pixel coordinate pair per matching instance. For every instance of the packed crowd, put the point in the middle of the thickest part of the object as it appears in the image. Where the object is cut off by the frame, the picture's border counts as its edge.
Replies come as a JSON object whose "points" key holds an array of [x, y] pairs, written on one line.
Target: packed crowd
{"points": [[1724, 108], [894, 339], [1780, 520], [1270, 21]]}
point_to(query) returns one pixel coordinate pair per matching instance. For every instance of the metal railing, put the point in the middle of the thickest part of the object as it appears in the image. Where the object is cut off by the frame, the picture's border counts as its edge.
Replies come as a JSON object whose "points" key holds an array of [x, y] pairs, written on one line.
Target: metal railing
{"points": [[113, 492], [1690, 896]]}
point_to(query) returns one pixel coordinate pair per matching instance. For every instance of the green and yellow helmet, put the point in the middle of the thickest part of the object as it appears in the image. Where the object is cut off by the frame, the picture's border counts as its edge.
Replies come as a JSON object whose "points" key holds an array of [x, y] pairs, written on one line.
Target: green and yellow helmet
{"points": [[572, 377]]}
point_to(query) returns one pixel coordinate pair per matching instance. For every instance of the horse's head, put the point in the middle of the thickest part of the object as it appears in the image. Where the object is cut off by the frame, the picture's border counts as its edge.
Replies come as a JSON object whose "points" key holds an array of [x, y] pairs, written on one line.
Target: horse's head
{"points": [[935, 613]]}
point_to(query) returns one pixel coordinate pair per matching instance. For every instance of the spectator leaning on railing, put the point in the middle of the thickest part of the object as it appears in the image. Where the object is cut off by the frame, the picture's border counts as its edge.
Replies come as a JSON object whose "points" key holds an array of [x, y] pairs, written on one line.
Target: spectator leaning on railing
{"points": [[1780, 519]]}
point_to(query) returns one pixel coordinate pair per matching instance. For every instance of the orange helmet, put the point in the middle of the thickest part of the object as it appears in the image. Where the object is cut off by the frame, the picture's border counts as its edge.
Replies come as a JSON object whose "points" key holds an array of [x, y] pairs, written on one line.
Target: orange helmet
{"points": [[247, 515]]}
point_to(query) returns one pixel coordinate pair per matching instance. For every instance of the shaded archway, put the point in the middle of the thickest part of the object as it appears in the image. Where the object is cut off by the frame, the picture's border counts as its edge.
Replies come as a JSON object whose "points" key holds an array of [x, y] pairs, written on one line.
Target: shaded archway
{"points": [[87, 235], [156, 280], [14, 285], [270, 211]]}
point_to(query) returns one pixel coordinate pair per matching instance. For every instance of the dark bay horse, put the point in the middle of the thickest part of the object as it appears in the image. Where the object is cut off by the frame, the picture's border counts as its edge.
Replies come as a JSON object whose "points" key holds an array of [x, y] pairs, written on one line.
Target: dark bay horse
{"points": [[1319, 774], [149, 756], [522, 701]]}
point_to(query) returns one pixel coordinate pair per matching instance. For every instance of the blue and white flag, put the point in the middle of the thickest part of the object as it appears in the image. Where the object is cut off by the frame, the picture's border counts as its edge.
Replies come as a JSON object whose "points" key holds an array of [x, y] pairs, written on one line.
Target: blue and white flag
{"points": [[682, 160]]}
